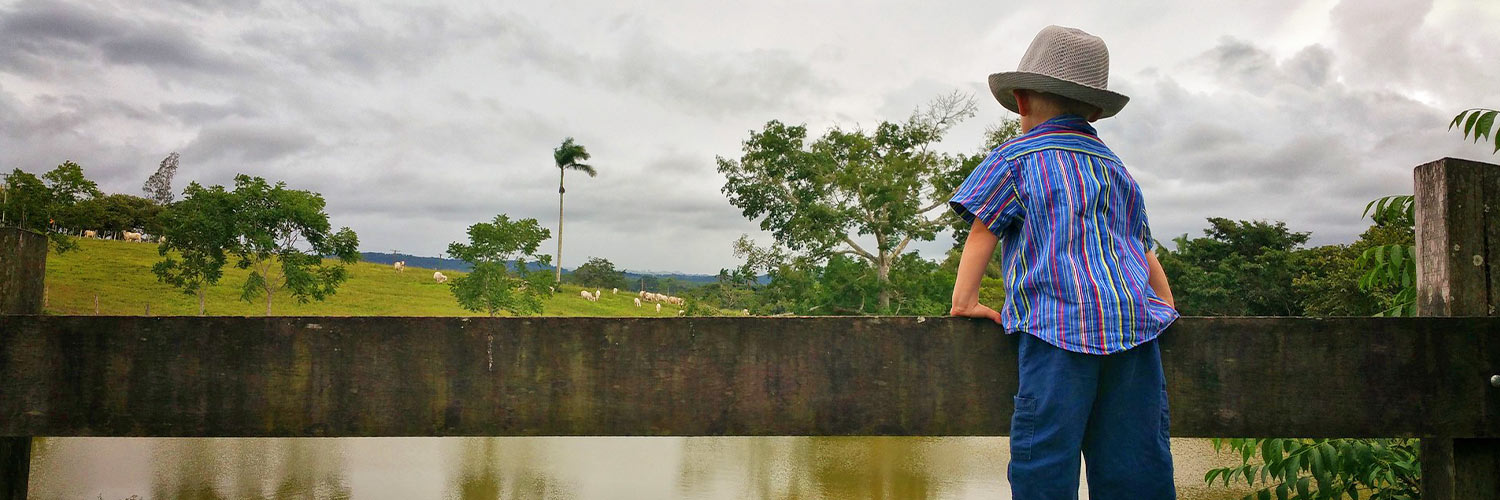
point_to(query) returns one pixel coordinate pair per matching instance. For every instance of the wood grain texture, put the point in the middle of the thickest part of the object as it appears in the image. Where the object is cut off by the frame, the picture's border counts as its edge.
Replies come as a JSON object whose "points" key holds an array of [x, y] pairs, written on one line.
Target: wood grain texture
{"points": [[287, 376], [1458, 245], [23, 264]]}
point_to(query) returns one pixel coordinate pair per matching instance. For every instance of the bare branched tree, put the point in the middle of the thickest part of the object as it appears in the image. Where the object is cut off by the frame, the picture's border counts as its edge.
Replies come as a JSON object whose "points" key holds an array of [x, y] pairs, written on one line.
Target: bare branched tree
{"points": [[158, 188]]}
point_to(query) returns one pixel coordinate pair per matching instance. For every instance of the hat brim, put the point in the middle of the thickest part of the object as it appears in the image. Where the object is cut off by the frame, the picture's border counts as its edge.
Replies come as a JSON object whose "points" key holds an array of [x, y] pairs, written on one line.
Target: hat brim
{"points": [[1001, 85]]}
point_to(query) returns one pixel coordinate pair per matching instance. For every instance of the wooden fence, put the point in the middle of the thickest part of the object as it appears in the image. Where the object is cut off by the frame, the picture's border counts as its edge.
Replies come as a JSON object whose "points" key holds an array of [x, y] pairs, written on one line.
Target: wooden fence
{"points": [[1428, 377]]}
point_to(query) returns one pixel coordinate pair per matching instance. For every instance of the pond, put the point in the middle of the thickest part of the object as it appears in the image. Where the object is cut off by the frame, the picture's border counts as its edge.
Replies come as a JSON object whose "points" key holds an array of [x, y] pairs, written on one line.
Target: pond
{"points": [[547, 467]]}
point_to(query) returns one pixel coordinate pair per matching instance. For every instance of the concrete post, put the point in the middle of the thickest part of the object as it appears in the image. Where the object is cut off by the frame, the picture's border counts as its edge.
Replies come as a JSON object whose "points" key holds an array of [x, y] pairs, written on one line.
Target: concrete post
{"points": [[1458, 247]]}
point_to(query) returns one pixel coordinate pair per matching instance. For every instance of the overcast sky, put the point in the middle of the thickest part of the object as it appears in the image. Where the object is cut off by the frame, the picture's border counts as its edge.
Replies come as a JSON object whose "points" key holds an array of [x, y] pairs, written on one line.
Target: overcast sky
{"points": [[415, 121]]}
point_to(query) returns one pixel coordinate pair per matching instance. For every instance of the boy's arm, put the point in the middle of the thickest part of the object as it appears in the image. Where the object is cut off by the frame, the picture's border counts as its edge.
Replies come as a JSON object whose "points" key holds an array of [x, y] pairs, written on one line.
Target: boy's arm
{"points": [[976, 255], [1158, 279]]}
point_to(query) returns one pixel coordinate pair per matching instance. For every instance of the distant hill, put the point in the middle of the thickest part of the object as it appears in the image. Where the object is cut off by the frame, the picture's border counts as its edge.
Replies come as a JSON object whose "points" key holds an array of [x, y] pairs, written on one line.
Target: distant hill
{"points": [[632, 277], [115, 276]]}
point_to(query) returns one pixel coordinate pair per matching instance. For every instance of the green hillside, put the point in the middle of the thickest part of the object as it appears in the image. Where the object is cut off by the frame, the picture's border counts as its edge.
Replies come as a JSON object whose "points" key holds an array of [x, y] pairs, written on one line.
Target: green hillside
{"points": [[119, 273]]}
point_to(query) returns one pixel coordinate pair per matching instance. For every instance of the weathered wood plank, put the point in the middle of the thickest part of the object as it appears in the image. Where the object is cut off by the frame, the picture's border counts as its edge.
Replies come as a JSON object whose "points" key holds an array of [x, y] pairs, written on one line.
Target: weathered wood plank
{"points": [[1458, 244], [219, 376], [23, 263]]}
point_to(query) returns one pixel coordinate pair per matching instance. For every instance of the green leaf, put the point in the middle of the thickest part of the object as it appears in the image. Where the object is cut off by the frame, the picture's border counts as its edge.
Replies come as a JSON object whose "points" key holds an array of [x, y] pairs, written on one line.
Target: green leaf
{"points": [[1482, 128], [1469, 123], [1282, 491], [1457, 119], [1398, 255], [1263, 494]]}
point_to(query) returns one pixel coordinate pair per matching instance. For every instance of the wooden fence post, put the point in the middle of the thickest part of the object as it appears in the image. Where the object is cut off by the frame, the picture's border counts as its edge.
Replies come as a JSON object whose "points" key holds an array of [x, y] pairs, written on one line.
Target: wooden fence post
{"points": [[1458, 274], [21, 292]]}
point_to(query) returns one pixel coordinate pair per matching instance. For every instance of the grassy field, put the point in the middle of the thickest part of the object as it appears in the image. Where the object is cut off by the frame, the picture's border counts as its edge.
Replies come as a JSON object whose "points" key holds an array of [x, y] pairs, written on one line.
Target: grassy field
{"points": [[119, 274]]}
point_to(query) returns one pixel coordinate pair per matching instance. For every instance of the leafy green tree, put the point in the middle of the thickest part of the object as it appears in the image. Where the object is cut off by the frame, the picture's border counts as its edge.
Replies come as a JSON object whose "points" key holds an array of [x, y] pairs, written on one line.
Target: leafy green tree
{"points": [[271, 223], [200, 234], [1239, 268], [29, 203], [492, 288], [1477, 121], [568, 156], [69, 185], [599, 273], [818, 197]]}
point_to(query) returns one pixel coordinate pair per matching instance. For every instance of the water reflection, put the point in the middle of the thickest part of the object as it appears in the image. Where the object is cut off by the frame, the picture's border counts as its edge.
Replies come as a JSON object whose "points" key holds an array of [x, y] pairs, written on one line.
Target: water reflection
{"points": [[542, 468]]}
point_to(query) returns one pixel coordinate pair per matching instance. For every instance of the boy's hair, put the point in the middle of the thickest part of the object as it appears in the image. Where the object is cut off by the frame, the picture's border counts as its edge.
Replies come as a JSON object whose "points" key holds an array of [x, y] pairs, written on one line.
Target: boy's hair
{"points": [[1065, 105]]}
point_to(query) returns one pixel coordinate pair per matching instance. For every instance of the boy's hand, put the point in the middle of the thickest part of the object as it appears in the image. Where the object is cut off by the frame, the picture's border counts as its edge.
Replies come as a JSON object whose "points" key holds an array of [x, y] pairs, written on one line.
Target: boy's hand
{"points": [[975, 310]]}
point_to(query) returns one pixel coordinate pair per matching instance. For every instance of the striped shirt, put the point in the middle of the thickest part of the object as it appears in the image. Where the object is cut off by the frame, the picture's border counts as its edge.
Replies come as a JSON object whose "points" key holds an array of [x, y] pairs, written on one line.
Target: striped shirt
{"points": [[1073, 239]]}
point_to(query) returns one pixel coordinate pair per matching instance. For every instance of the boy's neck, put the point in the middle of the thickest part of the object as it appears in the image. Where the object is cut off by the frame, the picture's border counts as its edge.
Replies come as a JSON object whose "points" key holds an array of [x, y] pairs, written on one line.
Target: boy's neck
{"points": [[1032, 120]]}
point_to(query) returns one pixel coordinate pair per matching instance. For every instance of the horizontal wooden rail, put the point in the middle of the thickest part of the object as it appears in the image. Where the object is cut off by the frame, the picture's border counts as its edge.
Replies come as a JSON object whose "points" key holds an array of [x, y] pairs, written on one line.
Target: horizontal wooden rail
{"points": [[367, 376]]}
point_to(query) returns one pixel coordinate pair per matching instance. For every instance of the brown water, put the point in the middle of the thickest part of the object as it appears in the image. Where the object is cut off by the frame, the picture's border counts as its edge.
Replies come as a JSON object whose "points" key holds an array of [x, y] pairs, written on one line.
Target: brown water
{"points": [[552, 467]]}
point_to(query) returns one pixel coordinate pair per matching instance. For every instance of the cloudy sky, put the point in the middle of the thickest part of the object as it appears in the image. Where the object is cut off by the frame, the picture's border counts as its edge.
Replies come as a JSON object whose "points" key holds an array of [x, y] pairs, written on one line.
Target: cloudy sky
{"points": [[416, 120]]}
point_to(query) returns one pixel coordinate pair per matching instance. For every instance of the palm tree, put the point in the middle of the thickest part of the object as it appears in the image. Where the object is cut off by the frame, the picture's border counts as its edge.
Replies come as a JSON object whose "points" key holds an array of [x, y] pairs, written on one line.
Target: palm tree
{"points": [[568, 156]]}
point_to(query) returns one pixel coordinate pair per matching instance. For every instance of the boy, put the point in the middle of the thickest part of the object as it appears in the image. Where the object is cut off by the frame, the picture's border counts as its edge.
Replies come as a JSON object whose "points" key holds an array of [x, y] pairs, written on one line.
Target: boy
{"points": [[1082, 282]]}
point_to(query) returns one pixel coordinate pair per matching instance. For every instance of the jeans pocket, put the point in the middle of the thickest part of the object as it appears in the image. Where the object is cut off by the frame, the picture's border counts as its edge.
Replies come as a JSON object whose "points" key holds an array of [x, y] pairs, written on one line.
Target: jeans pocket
{"points": [[1022, 428]]}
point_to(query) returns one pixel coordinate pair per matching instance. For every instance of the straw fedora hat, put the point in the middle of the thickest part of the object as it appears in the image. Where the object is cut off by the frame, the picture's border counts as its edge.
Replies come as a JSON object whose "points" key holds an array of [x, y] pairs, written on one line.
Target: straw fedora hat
{"points": [[1065, 61]]}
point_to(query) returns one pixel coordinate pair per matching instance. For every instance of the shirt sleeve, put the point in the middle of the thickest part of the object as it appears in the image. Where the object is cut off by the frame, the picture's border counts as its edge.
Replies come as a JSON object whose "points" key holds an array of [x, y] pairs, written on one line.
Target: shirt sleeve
{"points": [[992, 193]]}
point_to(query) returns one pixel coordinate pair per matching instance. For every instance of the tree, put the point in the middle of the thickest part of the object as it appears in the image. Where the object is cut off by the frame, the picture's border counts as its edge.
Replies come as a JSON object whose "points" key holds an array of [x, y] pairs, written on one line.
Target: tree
{"points": [[599, 273], [568, 156], [158, 187], [490, 287], [200, 230], [29, 203], [818, 198], [1240, 268], [271, 222], [68, 184]]}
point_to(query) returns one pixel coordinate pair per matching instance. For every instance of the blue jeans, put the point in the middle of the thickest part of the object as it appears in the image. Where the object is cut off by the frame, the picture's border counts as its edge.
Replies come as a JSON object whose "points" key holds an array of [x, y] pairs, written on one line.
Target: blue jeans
{"points": [[1112, 409]]}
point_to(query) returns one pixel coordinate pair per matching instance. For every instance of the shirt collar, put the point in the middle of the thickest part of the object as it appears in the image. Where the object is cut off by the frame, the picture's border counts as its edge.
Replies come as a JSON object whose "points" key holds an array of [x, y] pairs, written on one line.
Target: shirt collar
{"points": [[1067, 122]]}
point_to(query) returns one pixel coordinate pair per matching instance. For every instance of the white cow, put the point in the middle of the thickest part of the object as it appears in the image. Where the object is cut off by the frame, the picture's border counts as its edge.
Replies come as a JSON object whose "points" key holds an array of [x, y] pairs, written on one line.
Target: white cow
{"points": [[90, 233], [399, 266], [588, 296], [438, 277], [614, 291], [129, 236], [658, 307], [638, 302]]}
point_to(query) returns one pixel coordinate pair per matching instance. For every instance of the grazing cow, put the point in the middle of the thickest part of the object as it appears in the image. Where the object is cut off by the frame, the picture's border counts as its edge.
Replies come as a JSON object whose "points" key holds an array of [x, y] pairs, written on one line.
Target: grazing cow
{"points": [[638, 302], [399, 266], [658, 307], [438, 277], [90, 233], [129, 236]]}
